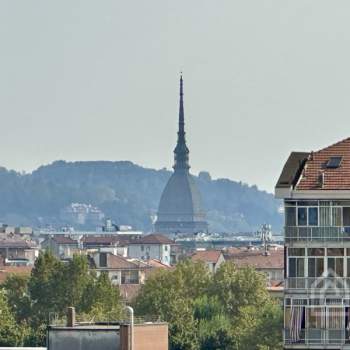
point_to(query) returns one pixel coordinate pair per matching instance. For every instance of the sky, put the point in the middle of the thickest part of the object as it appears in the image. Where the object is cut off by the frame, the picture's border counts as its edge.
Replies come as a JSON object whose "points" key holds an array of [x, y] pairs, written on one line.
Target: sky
{"points": [[98, 80]]}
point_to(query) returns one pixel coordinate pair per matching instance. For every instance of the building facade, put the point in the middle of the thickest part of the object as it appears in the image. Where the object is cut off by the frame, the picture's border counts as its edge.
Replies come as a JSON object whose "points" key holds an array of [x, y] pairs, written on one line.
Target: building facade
{"points": [[180, 208], [152, 246], [315, 188]]}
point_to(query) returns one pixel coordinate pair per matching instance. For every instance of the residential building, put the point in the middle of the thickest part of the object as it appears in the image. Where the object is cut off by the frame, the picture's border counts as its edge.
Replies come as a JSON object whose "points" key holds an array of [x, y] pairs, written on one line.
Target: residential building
{"points": [[116, 245], [61, 246], [315, 187], [271, 264], [6, 271], [17, 251], [212, 258], [153, 246], [180, 207]]}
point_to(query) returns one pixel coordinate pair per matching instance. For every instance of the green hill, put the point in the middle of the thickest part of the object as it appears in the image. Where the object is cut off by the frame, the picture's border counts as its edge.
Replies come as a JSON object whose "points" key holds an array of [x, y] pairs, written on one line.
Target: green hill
{"points": [[127, 193]]}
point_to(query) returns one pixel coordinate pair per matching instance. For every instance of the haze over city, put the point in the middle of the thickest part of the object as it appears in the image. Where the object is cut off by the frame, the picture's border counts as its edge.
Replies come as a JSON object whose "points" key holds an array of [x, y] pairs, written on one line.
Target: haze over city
{"points": [[87, 80]]}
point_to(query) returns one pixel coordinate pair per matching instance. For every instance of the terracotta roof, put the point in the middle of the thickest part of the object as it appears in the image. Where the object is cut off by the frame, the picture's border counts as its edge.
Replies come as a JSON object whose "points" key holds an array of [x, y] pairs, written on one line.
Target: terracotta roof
{"points": [[112, 240], [64, 240], [157, 264], [16, 270], [153, 239], [256, 259], [333, 178], [207, 256], [119, 262], [16, 243]]}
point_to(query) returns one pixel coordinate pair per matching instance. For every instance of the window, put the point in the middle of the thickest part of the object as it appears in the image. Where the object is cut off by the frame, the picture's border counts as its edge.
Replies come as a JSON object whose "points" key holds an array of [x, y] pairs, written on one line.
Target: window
{"points": [[142, 248], [166, 248], [315, 252], [296, 267], [334, 162], [302, 216], [335, 267], [335, 251], [315, 267], [313, 216], [290, 216], [336, 216], [296, 251]]}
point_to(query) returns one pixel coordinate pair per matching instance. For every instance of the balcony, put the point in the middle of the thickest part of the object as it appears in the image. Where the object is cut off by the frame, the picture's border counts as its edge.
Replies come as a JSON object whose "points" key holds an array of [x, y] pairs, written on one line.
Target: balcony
{"points": [[316, 234], [318, 283], [337, 338]]}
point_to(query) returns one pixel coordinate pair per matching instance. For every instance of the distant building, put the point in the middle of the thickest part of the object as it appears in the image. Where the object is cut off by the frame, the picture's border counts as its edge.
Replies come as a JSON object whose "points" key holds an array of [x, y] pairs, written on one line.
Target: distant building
{"points": [[62, 247], [154, 246], [16, 251], [82, 214], [272, 265], [180, 208], [212, 258]]}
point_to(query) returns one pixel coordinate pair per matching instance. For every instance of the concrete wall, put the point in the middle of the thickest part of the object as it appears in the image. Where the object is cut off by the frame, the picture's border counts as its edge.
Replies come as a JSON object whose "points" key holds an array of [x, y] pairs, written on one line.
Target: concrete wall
{"points": [[83, 338]]}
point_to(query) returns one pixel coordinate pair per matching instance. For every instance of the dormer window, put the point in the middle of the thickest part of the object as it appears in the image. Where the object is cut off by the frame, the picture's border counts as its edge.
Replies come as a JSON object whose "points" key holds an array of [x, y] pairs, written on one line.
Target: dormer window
{"points": [[334, 162]]}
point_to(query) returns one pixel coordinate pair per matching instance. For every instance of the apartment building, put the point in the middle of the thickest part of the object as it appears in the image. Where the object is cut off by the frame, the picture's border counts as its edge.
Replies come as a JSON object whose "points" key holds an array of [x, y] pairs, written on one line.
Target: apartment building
{"points": [[315, 187]]}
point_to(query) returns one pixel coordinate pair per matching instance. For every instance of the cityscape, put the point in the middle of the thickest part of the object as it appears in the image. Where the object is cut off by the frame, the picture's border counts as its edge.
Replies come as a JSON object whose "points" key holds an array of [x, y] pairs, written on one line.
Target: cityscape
{"points": [[112, 236]]}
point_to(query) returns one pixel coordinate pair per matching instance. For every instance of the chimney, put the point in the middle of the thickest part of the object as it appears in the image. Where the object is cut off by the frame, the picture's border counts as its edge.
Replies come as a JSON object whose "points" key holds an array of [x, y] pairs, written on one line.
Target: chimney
{"points": [[70, 317]]}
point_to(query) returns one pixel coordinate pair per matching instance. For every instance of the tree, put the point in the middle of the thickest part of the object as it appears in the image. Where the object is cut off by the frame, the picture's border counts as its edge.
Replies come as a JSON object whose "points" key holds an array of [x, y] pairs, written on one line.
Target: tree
{"points": [[101, 299], [16, 290], [239, 287], [9, 331]]}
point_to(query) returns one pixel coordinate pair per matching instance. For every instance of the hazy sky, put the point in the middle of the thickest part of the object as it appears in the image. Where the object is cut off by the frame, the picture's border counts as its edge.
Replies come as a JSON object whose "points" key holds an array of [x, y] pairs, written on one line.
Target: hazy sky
{"points": [[98, 80]]}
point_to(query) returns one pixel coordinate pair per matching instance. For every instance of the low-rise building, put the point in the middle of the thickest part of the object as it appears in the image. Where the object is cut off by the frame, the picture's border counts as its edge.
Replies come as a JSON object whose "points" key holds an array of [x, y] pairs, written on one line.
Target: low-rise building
{"points": [[212, 258], [271, 264], [16, 251], [116, 245], [62, 247], [153, 246]]}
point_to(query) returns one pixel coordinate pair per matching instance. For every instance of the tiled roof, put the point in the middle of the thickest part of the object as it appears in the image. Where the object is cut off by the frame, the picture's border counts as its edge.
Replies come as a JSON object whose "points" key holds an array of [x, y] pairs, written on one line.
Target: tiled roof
{"points": [[157, 264], [256, 259], [211, 256], [16, 243], [153, 239], [119, 262], [15, 270], [112, 240], [64, 240], [333, 178]]}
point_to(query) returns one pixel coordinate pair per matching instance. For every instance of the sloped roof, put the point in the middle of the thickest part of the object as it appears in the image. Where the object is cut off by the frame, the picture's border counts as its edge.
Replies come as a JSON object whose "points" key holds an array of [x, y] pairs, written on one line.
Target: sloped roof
{"points": [[292, 169], [211, 256], [119, 262], [256, 259], [333, 178], [17, 243], [64, 240], [153, 238]]}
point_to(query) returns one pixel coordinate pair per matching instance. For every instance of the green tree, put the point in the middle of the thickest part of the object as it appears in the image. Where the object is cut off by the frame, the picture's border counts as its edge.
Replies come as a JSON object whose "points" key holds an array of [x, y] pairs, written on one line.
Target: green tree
{"points": [[9, 331], [16, 290], [101, 299]]}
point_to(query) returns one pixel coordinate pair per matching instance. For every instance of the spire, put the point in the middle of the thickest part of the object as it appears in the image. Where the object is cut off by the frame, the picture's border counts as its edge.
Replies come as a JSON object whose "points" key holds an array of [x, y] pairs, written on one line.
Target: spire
{"points": [[181, 151]]}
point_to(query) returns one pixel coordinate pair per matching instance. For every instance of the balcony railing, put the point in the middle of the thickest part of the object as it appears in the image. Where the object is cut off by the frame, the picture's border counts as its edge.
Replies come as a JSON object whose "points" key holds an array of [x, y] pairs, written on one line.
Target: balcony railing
{"points": [[337, 337], [314, 283], [317, 233]]}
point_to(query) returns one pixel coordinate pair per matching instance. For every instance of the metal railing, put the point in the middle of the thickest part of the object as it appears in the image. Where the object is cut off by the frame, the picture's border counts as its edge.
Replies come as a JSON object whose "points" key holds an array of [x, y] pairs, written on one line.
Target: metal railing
{"points": [[317, 233], [314, 283], [317, 337]]}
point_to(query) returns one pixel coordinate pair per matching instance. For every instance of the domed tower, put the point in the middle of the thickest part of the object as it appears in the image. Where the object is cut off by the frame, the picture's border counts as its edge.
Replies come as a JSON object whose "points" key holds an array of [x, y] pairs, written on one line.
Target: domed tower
{"points": [[180, 208]]}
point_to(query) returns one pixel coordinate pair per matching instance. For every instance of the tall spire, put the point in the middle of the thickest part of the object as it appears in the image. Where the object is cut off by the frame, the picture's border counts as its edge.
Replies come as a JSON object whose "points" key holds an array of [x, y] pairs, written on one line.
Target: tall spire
{"points": [[181, 151]]}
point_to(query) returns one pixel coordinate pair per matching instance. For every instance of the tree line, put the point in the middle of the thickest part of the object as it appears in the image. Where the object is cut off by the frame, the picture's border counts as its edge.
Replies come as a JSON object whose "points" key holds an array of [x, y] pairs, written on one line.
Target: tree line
{"points": [[230, 309]]}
